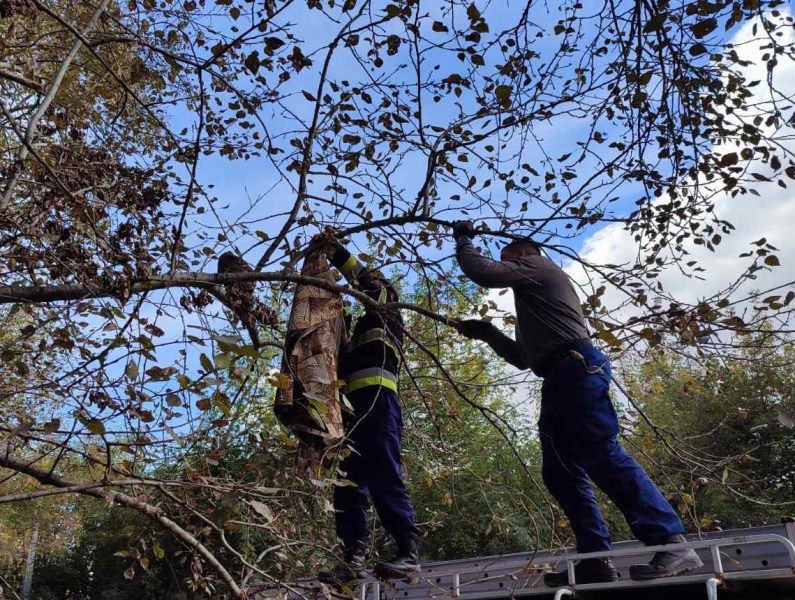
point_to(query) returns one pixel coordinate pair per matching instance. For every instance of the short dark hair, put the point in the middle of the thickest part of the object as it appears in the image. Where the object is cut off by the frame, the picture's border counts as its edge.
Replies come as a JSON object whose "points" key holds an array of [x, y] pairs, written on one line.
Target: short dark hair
{"points": [[528, 245]]}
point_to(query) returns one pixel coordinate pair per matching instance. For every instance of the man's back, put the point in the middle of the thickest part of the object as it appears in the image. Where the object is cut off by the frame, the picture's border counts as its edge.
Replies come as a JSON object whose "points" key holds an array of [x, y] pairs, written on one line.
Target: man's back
{"points": [[548, 311]]}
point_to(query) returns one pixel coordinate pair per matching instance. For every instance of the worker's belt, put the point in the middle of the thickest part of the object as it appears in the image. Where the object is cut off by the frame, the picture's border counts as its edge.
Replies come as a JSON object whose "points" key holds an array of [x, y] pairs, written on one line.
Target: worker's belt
{"points": [[377, 335], [543, 366], [368, 377]]}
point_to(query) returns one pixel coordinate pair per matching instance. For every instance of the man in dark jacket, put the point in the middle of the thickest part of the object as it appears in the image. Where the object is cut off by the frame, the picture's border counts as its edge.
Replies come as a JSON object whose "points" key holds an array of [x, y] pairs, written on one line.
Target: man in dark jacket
{"points": [[369, 366], [578, 426]]}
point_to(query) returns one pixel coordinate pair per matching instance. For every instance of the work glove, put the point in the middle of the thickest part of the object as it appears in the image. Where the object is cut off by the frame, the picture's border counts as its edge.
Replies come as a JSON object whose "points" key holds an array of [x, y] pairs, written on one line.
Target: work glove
{"points": [[463, 228], [474, 329], [324, 242]]}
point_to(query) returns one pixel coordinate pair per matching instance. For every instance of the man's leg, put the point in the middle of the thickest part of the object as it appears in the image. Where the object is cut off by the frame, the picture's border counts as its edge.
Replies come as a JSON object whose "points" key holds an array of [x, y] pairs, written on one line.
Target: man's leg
{"points": [[583, 390], [567, 482], [350, 516], [351, 502], [576, 409], [382, 436], [650, 516]]}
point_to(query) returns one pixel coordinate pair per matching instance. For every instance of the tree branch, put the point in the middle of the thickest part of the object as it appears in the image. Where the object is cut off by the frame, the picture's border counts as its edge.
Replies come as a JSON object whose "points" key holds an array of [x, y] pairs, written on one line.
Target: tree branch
{"points": [[112, 497]]}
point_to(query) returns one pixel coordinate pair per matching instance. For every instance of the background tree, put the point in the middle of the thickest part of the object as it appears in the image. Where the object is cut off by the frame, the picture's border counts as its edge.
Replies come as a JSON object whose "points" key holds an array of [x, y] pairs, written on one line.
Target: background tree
{"points": [[728, 424]]}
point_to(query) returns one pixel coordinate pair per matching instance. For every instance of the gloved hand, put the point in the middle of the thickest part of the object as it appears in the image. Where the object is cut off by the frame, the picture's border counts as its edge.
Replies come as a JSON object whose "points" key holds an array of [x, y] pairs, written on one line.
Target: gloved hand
{"points": [[474, 329], [463, 228], [324, 242]]}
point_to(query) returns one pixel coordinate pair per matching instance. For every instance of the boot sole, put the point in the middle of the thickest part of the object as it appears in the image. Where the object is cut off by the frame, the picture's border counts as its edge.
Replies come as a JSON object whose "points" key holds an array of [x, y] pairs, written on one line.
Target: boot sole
{"points": [[690, 565]]}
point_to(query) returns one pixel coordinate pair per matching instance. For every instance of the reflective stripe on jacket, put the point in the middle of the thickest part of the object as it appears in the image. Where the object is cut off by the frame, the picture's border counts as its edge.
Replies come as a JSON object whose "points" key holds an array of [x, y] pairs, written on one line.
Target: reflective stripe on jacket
{"points": [[373, 356], [368, 377]]}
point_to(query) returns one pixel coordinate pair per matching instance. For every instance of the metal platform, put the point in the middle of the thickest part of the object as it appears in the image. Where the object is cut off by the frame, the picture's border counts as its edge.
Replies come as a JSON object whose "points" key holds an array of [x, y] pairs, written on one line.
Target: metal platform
{"points": [[756, 563]]}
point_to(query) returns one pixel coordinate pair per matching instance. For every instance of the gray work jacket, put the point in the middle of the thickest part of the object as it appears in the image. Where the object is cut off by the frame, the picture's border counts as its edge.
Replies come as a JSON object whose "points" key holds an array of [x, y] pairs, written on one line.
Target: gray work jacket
{"points": [[548, 311]]}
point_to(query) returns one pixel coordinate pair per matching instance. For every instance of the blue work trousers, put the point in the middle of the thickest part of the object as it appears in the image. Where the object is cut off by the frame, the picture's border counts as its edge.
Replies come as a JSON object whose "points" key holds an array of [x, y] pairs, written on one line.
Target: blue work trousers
{"points": [[578, 429], [375, 432]]}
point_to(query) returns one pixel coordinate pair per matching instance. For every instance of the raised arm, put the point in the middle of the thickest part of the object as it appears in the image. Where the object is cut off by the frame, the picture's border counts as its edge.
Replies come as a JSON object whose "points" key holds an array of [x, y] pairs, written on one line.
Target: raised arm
{"points": [[491, 273], [358, 276]]}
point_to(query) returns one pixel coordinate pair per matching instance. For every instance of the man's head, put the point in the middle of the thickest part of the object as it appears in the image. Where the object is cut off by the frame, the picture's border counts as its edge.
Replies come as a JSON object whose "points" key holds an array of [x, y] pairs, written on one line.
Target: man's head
{"points": [[519, 248]]}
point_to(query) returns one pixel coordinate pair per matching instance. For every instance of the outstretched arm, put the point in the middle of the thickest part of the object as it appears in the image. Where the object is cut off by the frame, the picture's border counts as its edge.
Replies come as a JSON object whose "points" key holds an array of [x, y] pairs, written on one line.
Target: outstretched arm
{"points": [[503, 346]]}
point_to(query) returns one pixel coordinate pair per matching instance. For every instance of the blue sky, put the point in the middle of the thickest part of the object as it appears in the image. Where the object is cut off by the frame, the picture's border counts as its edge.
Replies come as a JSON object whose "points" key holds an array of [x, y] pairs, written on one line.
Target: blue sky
{"points": [[235, 182]]}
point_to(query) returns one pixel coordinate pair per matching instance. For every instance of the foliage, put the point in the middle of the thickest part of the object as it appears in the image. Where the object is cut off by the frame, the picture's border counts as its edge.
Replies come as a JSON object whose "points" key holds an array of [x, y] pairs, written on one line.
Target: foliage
{"points": [[727, 425], [130, 131]]}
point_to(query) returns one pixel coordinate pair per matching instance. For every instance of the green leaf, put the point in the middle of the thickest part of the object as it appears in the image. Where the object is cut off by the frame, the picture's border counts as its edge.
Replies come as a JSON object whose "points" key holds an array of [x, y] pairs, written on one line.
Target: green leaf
{"points": [[223, 360], [252, 62], [392, 10], [158, 551], [728, 160], [131, 371], [52, 426], [503, 93], [206, 363], [703, 28], [248, 350], [280, 381], [608, 337], [96, 426]]}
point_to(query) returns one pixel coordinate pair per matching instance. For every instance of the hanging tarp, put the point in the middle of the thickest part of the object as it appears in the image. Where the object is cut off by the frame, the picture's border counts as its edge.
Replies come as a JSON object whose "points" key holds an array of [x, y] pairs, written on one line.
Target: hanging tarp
{"points": [[308, 398]]}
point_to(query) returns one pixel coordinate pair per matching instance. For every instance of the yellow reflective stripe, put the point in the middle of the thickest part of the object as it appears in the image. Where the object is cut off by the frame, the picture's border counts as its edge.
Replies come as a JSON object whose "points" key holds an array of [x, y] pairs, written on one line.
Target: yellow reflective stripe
{"points": [[368, 381], [371, 335], [376, 335], [371, 376], [347, 268]]}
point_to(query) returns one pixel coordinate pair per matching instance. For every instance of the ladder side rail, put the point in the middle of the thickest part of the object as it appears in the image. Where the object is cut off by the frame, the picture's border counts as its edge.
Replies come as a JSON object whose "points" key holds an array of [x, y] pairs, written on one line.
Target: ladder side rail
{"points": [[713, 545]]}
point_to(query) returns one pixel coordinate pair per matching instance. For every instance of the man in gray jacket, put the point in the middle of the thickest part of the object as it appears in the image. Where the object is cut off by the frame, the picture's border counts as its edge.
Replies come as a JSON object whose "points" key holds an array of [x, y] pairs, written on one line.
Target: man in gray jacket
{"points": [[578, 425]]}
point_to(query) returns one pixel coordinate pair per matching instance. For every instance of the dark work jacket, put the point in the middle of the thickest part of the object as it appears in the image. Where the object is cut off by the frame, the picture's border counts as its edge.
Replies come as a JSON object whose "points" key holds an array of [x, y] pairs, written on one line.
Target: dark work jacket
{"points": [[548, 311], [372, 357]]}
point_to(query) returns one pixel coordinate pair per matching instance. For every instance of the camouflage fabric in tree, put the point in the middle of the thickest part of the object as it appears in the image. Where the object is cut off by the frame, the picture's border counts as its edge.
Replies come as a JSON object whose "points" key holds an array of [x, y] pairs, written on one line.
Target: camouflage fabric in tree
{"points": [[308, 400]]}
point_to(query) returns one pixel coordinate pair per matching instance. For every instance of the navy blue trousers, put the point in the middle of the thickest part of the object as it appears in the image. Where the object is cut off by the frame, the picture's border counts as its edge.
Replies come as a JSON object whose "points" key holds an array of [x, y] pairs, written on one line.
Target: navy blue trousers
{"points": [[374, 433], [578, 429]]}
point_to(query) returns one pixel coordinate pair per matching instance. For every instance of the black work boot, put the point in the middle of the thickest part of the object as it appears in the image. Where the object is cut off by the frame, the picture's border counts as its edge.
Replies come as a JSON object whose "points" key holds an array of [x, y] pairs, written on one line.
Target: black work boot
{"points": [[588, 570], [667, 564], [407, 562], [351, 568]]}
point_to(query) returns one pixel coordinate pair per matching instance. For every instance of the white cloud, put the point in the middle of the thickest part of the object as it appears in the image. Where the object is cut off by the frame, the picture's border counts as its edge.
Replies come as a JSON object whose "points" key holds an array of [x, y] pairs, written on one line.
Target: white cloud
{"points": [[769, 215]]}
